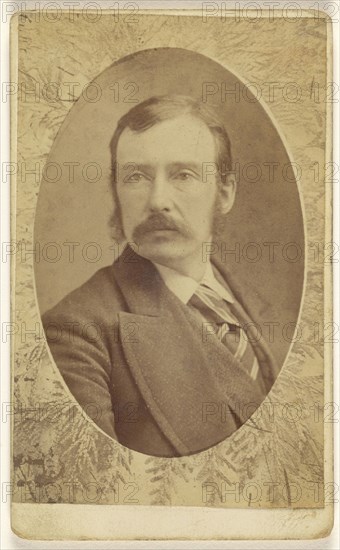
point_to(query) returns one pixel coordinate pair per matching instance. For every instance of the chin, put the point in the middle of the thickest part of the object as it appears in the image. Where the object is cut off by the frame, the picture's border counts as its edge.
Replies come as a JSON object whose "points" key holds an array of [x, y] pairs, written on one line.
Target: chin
{"points": [[161, 250]]}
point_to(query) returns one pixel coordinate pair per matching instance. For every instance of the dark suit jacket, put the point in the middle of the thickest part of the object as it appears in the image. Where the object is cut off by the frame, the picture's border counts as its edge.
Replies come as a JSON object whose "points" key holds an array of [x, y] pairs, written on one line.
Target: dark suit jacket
{"points": [[133, 356]]}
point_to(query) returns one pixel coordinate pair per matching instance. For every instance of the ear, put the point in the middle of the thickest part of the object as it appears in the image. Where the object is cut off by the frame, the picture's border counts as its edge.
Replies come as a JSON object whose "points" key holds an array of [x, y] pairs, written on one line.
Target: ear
{"points": [[227, 193]]}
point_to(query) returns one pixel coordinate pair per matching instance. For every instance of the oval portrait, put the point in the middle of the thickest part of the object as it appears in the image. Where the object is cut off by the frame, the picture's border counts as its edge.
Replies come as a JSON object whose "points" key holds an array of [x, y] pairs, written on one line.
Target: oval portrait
{"points": [[171, 264]]}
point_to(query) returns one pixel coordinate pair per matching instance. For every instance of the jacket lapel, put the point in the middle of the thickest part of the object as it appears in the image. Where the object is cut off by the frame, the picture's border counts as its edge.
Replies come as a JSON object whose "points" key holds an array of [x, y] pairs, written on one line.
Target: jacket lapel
{"points": [[179, 375]]}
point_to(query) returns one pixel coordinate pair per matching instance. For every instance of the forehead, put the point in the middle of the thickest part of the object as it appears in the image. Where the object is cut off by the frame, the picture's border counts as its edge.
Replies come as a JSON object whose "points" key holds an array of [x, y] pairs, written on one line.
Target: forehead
{"points": [[182, 139]]}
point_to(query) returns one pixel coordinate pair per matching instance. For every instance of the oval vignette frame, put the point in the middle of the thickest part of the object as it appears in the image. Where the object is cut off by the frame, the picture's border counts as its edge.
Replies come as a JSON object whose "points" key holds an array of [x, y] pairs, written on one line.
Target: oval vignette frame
{"points": [[267, 211]]}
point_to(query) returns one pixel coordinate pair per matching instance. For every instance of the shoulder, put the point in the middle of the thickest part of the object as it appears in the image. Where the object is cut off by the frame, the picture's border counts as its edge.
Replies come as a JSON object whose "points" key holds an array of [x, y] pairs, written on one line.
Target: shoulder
{"points": [[96, 299]]}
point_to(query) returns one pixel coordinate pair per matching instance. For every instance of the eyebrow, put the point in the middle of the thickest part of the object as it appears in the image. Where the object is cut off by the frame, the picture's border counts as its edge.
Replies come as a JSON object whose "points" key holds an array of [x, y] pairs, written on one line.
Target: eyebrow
{"points": [[175, 165]]}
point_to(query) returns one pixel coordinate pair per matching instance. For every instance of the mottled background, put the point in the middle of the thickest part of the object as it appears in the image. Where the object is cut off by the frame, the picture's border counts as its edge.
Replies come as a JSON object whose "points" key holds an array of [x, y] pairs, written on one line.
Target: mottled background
{"points": [[59, 455]]}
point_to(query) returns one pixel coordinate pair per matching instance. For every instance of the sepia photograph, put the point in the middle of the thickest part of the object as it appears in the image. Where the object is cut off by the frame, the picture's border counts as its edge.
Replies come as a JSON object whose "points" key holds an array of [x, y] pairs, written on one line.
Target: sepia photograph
{"points": [[155, 342], [171, 259]]}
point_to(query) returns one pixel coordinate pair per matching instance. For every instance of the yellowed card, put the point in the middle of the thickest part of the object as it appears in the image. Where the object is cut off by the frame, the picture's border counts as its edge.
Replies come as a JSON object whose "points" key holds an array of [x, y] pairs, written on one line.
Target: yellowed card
{"points": [[172, 251]]}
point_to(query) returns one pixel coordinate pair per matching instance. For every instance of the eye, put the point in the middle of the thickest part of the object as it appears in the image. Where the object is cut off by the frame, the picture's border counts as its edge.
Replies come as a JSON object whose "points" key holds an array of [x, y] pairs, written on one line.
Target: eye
{"points": [[135, 177], [185, 175]]}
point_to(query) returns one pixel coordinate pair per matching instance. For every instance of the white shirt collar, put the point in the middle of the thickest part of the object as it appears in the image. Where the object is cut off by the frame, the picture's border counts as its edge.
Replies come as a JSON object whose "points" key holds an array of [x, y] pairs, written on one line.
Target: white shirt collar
{"points": [[184, 287]]}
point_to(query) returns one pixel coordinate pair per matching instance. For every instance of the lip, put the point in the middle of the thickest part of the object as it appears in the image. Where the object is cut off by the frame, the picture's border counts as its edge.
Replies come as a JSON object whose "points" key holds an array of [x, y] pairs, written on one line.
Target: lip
{"points": [[160, 234], [161, 230]]}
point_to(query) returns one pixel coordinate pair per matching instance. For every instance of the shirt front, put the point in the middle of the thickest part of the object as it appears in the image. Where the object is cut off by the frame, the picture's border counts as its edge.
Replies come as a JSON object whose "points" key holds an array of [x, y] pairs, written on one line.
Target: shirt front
{"points": [[184, 287]]}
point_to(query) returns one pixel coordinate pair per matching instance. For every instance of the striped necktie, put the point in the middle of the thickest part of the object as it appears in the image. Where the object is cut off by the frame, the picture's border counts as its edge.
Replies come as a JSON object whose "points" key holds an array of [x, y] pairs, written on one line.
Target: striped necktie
{"points": [[227, 328]]}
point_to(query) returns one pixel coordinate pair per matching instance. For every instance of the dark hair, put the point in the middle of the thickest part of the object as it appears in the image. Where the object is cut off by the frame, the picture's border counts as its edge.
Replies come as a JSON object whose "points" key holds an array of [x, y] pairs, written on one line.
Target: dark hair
{"points": [[158, 109]]}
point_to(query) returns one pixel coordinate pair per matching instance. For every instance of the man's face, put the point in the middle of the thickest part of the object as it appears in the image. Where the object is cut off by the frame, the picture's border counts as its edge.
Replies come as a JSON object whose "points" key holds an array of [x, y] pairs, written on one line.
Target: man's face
{"points": [[166, 188]]}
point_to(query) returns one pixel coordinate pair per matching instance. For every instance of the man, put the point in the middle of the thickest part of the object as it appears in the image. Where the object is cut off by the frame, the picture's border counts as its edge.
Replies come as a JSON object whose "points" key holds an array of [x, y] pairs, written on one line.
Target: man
{"points": [[174, 365]]}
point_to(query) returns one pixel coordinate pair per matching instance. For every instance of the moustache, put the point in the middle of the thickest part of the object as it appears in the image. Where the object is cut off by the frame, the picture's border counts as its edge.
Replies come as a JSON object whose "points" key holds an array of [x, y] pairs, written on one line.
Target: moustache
{"points": [[158, 222]]}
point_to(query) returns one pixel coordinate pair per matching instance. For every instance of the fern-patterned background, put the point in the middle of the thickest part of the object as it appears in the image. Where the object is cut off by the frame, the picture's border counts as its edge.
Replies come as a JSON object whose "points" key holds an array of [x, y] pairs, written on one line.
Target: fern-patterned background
{"points": [[59, 455]]}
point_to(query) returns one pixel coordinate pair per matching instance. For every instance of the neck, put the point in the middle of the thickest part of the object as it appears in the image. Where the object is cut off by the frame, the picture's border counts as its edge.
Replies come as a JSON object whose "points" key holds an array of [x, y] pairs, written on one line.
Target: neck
{"points": [[191, 266]]}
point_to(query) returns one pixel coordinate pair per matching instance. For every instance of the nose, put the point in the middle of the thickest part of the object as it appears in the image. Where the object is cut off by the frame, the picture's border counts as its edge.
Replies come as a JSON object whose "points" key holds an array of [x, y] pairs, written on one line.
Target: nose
{"points": [[159, 197]]}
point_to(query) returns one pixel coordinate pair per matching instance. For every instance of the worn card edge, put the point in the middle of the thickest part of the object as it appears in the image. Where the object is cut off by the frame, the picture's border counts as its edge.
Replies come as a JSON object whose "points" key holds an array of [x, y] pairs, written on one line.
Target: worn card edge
{"points": [[112, 522]]}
